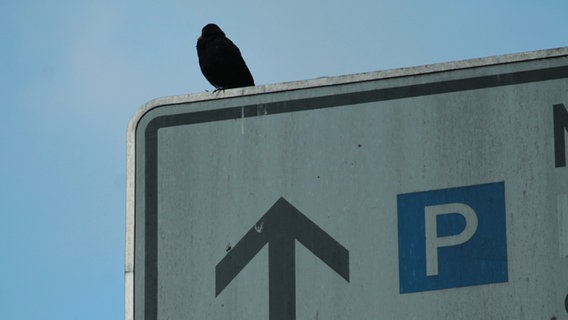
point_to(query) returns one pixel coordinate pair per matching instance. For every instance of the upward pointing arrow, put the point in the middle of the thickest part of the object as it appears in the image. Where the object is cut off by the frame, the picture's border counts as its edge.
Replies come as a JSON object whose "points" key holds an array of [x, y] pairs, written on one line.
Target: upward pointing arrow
{"points": [[280, 227]]}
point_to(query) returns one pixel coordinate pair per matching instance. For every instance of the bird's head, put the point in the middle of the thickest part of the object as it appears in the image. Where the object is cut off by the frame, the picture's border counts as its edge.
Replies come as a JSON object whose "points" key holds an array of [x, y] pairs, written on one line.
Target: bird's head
{"points": [[211, 31]]}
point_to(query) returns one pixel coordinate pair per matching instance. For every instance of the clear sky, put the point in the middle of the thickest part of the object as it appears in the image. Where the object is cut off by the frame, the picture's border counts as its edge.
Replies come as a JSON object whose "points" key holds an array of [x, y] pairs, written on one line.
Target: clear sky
{"points": [[72, 73]]}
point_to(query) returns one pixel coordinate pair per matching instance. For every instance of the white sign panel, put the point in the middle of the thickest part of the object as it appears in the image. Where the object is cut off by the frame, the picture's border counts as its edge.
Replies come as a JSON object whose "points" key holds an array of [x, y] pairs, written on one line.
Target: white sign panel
{"points": [[436, 192]]}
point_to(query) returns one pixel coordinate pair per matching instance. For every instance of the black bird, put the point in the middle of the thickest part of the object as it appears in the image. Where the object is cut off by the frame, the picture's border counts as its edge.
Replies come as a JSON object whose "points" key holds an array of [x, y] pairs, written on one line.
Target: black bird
{"points": [[220, 60]]}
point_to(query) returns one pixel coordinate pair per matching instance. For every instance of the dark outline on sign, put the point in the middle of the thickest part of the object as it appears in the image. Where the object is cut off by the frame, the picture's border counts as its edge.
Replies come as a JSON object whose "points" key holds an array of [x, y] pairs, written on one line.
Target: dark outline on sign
{"points": [[265, 109]]}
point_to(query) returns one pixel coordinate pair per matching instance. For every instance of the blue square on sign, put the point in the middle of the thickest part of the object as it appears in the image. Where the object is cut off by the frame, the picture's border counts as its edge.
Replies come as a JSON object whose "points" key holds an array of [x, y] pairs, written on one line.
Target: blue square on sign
{"points": [[452, 238]]}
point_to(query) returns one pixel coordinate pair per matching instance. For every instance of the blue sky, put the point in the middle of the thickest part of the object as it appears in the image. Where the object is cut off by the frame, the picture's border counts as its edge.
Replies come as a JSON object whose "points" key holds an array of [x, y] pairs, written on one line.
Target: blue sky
{"points": [[72, 73]]}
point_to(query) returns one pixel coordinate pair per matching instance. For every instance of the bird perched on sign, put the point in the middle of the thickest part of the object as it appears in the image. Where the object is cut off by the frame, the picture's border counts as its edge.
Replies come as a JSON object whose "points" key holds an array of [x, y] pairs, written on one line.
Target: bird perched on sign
{"points": [[220, 60]]}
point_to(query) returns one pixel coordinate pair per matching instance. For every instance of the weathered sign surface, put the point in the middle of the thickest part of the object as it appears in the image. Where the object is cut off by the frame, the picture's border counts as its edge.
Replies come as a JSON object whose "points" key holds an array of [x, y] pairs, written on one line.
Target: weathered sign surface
{"points": [[435, 192]]}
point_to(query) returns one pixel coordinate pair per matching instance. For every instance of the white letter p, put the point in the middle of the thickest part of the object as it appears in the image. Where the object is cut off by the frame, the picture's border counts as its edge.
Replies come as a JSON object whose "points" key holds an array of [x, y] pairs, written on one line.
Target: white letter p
{"points": [[433, 242]]}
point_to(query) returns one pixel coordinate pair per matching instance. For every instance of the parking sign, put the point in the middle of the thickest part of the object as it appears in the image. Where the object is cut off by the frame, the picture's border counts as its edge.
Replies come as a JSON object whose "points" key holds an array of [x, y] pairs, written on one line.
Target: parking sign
{"points": [[456, 237], [434, 192]]}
